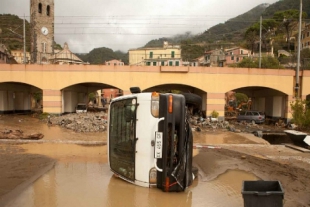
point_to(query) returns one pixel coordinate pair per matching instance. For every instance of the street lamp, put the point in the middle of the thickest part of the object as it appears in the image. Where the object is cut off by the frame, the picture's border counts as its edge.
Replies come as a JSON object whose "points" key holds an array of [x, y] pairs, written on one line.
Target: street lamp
{"points": [[298, 52]]}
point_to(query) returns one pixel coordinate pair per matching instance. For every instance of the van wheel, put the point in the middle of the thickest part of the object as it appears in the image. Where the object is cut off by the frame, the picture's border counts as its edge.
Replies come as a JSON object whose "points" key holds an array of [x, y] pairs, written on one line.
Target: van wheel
{"points": [[191, 98]]}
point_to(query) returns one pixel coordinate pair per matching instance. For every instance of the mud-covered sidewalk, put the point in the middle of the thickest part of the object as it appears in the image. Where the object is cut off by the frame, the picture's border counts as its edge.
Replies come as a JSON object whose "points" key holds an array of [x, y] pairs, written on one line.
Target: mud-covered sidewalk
{"points": [[21, 163]]}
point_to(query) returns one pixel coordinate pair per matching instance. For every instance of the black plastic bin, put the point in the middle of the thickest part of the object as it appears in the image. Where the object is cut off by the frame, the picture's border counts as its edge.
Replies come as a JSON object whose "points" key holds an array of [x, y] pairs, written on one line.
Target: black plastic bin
{"points": [[262, 193]]}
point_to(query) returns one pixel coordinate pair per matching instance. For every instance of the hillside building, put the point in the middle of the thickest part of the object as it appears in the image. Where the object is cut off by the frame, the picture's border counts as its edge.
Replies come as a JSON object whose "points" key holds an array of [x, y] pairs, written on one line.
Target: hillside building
{"points": [[168, 55], [305, 38], [236, 55], [65, 57], [4, 54], [18, 55], [114, 62], [214, 58]]}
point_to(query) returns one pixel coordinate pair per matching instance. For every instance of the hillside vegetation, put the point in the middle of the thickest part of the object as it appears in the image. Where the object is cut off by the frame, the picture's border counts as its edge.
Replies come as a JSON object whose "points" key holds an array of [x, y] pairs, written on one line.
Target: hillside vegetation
{"points": [[100, 55], [233, 32], [13, 40]]}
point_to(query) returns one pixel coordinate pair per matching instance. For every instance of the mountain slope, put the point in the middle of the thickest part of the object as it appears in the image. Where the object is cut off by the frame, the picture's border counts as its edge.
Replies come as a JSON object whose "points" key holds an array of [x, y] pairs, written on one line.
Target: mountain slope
{"points": [[232, 29], [102, 54], [13, 40], [286, 5]]}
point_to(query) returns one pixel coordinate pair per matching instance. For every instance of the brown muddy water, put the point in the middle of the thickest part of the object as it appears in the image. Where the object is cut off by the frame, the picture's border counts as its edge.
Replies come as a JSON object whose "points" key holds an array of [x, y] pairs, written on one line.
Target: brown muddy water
{"points": [[51, 132], [81, 177], [92, 184]]}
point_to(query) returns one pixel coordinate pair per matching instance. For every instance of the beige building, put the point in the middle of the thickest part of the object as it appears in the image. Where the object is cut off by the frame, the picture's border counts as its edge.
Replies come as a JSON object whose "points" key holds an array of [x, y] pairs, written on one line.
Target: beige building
{"points": [[305, 37], [168, 55], [19, 56], [65, 56], [114, 62]]}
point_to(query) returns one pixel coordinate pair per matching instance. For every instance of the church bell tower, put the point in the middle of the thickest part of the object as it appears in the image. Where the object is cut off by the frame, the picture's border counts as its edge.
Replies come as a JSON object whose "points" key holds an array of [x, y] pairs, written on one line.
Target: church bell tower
{"points": [[42, 30]]}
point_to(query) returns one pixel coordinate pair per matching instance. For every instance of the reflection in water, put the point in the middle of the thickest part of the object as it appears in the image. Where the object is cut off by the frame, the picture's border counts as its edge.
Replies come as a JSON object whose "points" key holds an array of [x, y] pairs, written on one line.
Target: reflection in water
{"points": [[93, 184]]}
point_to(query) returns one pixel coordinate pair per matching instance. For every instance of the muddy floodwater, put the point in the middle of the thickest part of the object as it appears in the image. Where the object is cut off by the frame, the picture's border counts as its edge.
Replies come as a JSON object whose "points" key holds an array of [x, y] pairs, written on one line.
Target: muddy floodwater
{"points": [[50, 132], [81, 177]]}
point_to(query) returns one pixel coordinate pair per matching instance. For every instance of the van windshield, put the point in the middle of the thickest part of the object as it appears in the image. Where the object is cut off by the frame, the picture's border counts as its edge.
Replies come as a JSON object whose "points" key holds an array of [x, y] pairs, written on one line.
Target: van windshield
{"points": [[122, 137]]}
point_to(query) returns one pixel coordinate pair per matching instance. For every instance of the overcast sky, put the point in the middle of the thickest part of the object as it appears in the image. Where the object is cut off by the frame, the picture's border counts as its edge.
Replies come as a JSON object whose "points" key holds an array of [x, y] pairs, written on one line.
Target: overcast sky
{"points": [[128, 24]]}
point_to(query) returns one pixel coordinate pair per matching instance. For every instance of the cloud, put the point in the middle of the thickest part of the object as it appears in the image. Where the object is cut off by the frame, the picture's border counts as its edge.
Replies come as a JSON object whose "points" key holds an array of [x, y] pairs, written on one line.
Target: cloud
{"points": [[121, 25]]}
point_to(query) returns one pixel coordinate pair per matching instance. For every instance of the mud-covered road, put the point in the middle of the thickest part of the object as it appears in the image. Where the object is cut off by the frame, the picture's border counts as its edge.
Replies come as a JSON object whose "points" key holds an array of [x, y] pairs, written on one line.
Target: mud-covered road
{"points": [[23, 162]]}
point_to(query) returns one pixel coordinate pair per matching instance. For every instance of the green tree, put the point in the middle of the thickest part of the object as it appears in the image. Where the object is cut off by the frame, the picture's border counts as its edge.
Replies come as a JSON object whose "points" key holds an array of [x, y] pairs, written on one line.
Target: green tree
{"points": [[266, 62], [301, 113], [37, 96], [251, 37], [288, 21], [305, 58], [92, 96], [191, 51], [241, 98], [252, 34], [270, 62], [247, 63]]}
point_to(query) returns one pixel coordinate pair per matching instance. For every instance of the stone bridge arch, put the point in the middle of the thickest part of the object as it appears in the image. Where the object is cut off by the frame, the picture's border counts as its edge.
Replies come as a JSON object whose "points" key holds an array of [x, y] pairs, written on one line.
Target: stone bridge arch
{"points": [[19, 97], [182, 88], [66, 98], [274, 103]]}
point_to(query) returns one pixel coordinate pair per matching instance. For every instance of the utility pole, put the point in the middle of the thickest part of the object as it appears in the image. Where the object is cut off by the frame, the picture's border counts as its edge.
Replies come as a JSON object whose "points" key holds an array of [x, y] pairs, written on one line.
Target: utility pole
{"points": [[298, 52], [260, 42], [24, 41]]}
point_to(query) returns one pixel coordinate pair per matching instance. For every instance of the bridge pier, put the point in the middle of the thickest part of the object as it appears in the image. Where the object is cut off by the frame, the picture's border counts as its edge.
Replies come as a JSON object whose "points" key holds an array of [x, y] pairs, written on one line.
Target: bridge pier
{"points": [[215, 102], [52, 101]]}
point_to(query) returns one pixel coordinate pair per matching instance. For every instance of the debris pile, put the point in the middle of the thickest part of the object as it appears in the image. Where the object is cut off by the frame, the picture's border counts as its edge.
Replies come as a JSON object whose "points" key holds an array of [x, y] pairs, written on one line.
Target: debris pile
{"points": [[81, 122], [19, 134], [199, 123]]}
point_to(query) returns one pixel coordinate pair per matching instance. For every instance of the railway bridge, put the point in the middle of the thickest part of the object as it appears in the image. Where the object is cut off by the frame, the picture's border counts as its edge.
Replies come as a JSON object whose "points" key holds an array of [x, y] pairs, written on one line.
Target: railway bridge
{"points": [[63, 86]]}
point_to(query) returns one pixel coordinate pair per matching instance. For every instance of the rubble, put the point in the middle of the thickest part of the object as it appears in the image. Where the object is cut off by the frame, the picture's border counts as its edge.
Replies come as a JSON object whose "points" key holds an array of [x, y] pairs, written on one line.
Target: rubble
{"points": [[19, 134], [81, 122]]}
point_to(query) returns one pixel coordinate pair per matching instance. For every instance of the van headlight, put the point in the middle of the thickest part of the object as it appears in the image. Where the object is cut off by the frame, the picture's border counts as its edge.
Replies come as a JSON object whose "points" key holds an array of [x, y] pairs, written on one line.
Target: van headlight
{"points": [[155, 104], [153, 177]]}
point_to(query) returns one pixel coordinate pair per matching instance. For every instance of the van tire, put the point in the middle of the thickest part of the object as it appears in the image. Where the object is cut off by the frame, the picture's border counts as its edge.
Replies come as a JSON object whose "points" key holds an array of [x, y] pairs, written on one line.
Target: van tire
{"points": [[191, 98]]}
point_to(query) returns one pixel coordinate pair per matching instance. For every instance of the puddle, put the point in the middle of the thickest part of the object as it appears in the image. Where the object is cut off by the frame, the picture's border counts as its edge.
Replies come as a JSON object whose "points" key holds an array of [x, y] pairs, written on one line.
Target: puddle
{"points": [[93, 184]]}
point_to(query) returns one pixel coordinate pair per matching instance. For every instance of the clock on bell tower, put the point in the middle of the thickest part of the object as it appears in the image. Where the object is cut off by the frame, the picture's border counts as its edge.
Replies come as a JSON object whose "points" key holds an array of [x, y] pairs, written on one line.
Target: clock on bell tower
{"points": [[42, 30]]}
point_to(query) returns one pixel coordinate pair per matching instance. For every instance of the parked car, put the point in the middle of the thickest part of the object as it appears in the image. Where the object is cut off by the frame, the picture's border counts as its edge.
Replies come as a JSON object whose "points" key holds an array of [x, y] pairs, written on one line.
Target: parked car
{"points": [[251, 116], [81, 108]]}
